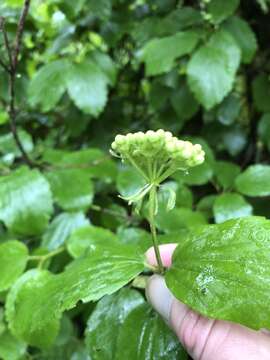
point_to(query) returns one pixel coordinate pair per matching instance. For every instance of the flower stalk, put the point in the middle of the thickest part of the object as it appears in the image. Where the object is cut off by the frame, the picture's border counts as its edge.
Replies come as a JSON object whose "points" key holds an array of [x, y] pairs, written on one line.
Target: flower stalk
{"points": [[156, 155], [152, 211]]}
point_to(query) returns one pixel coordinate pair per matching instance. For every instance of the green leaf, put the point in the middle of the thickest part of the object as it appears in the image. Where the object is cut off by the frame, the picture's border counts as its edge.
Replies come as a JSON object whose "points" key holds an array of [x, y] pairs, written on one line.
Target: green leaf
{"points": [[11, 348], [72, 189], [261, 92], [221, 10], [234, 140], [71, 8], [159, 54], [212, 68], [89, 238], [244, 36], [101, 9], [14, 3], [178, 218], [229, 109], [184, 102], [66, 346], [105, 323], [199, 175], [179, 19], [205, 206], [230, 206], [184, 196], [25, 308], [264, 129], [114, 216], [155, 26], [226, 172], [87, 87], [151, 337], [125, 315], [61, 227], [26, 201], [96, 163], [106, 65], [254, 181], [48, 85], [13, 260], [36, 301], [222, 271], [101, 273], [9, 148], [135, 236], [4, 117], [128, 181], [174, 236]]}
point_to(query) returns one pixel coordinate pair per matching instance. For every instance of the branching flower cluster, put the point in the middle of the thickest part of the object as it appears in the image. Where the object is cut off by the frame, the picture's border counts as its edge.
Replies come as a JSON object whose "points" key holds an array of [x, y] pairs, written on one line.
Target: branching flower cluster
{"points": [[157, 154]]}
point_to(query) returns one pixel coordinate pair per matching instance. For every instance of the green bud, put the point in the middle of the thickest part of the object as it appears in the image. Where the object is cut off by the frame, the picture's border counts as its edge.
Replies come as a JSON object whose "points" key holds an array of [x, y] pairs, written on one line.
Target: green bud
{"points": [[120, 139], [114, 145], [187, 151], [156, 151]]}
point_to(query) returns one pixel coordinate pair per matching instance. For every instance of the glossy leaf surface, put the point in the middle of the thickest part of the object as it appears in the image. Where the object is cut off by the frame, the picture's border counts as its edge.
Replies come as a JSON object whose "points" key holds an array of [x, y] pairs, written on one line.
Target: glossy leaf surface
{"points": [[26, 201], [13, 260], [222, 272], [38, 298]]}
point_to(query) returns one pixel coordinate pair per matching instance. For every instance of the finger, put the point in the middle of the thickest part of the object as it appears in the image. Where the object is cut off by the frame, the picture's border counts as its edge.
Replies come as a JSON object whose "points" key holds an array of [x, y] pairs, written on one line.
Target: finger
{"points": [[166, 252], [179, 317]]}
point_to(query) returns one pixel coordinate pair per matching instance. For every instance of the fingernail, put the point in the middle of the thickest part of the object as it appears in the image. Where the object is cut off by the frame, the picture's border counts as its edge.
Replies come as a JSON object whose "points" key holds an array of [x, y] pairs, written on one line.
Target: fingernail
{"points": [[159, 296]]}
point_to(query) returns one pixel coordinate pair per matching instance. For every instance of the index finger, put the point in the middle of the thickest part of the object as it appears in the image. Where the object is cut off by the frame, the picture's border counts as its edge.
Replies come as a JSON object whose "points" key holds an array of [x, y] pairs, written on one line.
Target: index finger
{"points": [[166, 252]]}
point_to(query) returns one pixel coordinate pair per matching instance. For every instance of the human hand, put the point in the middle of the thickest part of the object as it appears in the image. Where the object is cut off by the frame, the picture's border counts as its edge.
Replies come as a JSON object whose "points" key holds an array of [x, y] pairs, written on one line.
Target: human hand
{"points": [[203, 338]]}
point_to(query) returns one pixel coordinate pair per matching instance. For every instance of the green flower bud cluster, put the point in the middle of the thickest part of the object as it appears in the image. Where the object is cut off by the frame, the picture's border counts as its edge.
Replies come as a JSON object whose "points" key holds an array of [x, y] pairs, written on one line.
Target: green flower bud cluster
{"points": [[157, 154]]}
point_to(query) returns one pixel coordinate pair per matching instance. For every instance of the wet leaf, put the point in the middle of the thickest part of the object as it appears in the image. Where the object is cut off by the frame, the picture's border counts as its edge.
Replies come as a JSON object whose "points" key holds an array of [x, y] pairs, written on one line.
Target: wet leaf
{"points": [[221, 271]]}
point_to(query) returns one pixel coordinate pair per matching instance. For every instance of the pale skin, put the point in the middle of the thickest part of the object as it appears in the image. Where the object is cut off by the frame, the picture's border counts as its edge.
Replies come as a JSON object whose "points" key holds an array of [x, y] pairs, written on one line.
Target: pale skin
{"points": [[203, 338]]}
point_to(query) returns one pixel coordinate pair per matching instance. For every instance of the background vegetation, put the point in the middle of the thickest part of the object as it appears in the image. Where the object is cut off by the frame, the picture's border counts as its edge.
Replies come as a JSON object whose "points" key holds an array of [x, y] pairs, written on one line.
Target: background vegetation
{"points": [[86, 71]]}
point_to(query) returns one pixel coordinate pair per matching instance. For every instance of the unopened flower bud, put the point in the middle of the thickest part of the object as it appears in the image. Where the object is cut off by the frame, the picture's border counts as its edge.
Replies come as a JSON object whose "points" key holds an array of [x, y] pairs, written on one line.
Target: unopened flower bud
{"points": [[114, 145], [119, 139], [156, 153], [197, 148], [188, 150], [200, 158]]}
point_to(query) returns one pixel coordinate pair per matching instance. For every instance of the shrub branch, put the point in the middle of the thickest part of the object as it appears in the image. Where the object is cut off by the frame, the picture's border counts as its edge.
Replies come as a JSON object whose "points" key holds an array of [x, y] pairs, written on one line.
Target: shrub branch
{"points": [[11, 69]]}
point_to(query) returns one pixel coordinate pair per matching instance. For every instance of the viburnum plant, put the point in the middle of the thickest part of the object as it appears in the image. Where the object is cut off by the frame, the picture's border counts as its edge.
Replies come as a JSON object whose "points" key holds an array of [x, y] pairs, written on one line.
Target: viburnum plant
{"points": [[72, 253], [156, 155]]}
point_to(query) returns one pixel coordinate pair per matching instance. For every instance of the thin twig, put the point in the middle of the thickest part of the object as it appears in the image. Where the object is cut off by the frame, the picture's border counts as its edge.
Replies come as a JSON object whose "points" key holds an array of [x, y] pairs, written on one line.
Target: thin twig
{"points": [[2, 63], [13, 55], [19, 33], [6, 42]]}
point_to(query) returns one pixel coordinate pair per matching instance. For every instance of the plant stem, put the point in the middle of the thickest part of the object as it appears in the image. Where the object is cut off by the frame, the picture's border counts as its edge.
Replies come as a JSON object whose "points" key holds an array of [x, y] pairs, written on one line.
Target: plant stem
{"points": [[11, 69], [42, 258], [152, 210]]}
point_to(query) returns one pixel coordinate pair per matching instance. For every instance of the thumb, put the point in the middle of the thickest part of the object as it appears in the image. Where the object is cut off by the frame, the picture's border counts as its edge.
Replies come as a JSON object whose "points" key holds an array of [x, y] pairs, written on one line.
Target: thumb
{"points": [[203, 338], [179, 317]]}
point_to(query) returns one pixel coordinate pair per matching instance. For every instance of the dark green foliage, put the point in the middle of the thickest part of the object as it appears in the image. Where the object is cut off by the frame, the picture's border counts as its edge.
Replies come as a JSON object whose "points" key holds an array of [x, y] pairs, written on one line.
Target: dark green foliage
{"points": [[87, 71]]}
